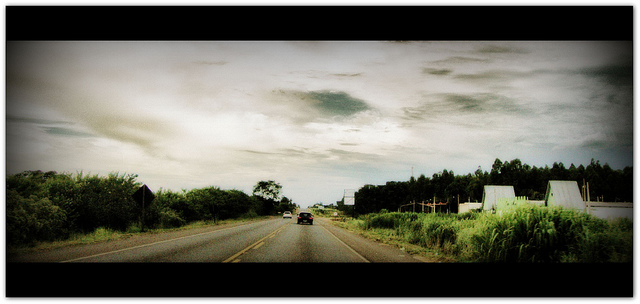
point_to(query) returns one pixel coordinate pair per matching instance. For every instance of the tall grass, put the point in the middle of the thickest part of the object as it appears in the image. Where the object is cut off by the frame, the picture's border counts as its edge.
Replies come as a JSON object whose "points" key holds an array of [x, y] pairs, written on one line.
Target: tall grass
{"points": [[526, 233]]}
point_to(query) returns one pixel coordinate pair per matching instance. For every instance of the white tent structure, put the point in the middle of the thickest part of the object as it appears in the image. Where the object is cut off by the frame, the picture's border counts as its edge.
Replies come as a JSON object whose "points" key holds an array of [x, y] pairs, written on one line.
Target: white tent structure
{"points": [[565, 194], [493, 194]]}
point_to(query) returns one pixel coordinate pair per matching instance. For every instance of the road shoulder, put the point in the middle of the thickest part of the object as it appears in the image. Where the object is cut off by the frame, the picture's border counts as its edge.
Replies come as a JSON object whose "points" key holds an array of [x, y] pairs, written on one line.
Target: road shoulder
{"points": [[373, 251]]}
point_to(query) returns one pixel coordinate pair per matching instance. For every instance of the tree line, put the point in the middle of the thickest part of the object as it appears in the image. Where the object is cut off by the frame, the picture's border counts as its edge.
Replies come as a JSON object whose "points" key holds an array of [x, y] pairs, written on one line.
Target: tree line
{"points": [[47, 206], [605, 184]]}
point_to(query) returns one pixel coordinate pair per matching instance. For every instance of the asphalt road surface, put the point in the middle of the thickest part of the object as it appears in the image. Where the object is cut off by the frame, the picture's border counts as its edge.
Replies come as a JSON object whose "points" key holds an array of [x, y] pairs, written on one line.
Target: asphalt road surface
{"points": [[274, 240]]}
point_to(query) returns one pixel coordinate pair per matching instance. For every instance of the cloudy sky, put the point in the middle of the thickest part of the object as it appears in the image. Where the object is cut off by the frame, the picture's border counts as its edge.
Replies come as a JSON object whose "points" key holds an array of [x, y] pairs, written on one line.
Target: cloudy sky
{"points": [[317, 117]]}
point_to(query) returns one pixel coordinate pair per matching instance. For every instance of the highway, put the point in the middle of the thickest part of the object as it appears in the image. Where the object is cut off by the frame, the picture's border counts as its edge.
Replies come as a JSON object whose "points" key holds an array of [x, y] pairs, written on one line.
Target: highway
{"points": [[275, 240], [273, 257]]}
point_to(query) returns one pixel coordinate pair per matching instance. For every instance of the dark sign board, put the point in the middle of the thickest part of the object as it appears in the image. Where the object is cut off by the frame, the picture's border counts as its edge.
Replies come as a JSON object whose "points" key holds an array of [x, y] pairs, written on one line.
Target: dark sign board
{"points": [[143, 196]]}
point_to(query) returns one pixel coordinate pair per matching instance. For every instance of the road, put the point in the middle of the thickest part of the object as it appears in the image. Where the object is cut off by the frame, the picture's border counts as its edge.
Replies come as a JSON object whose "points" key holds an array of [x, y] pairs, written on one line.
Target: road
{"points": [[274, 240]]}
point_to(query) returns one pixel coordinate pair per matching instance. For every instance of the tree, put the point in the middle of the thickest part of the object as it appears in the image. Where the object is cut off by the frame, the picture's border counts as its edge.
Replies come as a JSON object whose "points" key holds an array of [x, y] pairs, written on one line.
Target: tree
{"points": [[268, 194], [286, 205], [268, 190], [495, 175]]}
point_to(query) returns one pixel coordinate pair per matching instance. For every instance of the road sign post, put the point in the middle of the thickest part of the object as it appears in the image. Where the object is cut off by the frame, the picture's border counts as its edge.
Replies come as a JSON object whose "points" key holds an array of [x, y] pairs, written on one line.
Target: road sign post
{"points": [[350, 199], [144, 197]]}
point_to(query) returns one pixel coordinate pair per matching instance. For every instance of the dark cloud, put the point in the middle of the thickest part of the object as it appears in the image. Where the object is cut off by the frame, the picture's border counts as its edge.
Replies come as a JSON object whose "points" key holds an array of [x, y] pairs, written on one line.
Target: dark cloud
{"points": [[336, 103], [483, 103], [494, 75], [347, 74], [461, 60], [617, 75], [434, 71], [501, 49], [53, 127], [467, 103], [306, 106], [438, 106], [39, 121], [60, 131]]}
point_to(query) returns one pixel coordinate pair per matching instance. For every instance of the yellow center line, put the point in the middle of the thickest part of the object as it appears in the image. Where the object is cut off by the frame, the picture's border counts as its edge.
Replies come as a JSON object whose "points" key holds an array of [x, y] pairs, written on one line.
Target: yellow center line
{"points": [[257, 244]]}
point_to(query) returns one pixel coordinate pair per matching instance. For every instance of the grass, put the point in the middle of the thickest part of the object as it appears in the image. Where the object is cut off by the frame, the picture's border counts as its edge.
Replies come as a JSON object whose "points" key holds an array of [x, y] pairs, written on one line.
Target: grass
{"points": [[525, 233]]}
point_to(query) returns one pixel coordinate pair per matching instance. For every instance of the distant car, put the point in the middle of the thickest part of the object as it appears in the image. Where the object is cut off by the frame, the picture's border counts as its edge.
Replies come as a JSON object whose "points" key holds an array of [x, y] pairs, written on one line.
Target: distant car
{"points": [[305, 217], [287, 214]]}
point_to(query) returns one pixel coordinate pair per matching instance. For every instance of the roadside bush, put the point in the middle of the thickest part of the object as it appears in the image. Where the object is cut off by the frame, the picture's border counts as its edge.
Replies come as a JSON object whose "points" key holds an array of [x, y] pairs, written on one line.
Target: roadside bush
{"points": [[44, 206], [547, 234], [106, 202], [62, 191], [33, 219], [526, 233], [437, 231], [614, 243], [169, 218], [391, 220], [232, 204], [427, 230]]}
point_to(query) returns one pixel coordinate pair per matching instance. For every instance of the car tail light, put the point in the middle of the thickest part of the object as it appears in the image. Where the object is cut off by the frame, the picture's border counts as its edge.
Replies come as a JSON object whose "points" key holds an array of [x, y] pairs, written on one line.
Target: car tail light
{"points": [[311, 218]]}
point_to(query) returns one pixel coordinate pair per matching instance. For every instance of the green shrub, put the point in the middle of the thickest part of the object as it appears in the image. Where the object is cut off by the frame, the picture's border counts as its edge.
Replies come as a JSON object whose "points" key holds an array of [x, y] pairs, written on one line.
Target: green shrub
{"points": [[612, 243], [45, 206], [526, 233], [33, 219], [547, 234], [439, 232], [391, 220], [428, 230], [170, 219], [106, 202]]}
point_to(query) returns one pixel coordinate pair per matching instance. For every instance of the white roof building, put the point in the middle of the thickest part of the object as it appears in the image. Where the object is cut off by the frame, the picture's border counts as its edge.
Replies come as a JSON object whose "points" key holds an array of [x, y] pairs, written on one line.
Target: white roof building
{"points": [[493, 194], [565, 194]]}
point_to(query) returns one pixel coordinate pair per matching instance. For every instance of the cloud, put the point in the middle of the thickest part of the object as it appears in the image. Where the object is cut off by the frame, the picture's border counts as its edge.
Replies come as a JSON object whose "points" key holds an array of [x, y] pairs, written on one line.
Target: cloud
{"points": [[456, 60], [615, 75], [206, 62], [434, 71], [53, 127], [493, 75], [37, 121], [336, 103], [66, 132], [452, 107], [308, 106], [339, 114], [501, 49]]}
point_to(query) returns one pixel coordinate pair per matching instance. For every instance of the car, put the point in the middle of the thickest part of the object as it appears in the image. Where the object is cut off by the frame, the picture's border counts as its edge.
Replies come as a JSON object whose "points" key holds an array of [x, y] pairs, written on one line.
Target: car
{"points": [[287, 214], [305, 217]]}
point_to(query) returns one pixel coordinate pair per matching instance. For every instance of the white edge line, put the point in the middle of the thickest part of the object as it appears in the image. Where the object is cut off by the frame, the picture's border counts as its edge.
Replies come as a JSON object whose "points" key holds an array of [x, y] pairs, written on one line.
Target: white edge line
{"points": [[345, 244]]}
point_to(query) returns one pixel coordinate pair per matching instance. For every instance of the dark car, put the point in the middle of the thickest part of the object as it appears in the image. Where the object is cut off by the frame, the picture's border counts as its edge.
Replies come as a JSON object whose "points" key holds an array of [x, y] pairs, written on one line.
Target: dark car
{"points": [[305, 217]]}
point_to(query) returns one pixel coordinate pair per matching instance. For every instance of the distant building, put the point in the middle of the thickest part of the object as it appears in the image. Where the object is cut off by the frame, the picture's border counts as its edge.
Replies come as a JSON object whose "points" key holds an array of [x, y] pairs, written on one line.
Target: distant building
{"points": [[493, 194], [466, 207], [565, 194]]}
